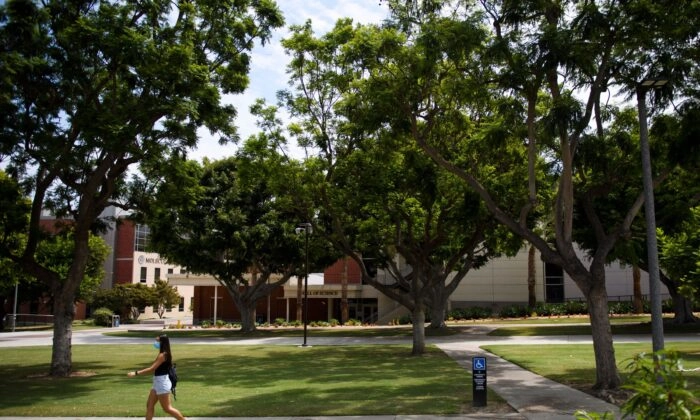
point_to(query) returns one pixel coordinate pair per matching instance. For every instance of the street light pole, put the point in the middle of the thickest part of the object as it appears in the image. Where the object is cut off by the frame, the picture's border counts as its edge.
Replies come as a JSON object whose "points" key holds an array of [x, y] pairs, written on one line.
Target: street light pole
{"points": [[657, 326], [306, 227]]}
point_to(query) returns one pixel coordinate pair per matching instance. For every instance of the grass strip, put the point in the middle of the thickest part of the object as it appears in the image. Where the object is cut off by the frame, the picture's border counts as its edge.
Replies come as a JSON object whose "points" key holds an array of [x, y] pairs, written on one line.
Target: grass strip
{"points": [[574, 364], [585, 329], [245, 381]]}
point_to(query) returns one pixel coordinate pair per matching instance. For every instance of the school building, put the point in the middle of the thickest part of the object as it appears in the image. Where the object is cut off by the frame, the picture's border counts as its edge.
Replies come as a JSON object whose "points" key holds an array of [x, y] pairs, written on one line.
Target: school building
{"points": [[501, 282]]}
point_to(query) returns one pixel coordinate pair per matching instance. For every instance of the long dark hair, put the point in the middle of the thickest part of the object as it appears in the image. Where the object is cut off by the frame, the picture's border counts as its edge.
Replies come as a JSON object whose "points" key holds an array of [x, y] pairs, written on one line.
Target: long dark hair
{"points": [[165, 347]]}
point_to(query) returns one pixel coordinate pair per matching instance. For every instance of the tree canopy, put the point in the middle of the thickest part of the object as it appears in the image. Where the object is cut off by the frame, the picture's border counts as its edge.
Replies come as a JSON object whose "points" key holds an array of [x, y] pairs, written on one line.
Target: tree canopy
{"points": [[233, 219], [544, 69], [90, 89]]}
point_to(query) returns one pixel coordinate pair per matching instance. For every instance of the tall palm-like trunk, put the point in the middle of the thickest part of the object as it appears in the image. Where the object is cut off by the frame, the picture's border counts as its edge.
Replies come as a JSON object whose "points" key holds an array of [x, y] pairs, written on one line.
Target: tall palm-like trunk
{"points": [[531, 277], [637, 304]]}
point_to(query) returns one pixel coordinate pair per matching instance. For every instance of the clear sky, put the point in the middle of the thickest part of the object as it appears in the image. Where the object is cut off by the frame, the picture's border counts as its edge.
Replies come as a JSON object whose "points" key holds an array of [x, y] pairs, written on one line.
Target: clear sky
{"points": [[268, 64]]}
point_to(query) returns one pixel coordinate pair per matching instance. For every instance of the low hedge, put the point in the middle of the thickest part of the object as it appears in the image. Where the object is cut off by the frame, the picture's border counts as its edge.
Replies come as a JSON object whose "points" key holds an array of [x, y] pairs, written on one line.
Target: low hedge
{"points": [[546, 309]]}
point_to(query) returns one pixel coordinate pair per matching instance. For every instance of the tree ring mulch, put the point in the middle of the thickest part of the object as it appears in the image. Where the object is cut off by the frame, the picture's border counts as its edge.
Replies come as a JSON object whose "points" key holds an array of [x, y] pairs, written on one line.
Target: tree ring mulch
{"points": [[77, 374]]}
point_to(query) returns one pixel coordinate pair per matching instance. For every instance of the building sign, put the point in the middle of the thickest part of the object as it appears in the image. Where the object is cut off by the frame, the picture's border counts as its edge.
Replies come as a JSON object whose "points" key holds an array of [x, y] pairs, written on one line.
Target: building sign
{"points": [[324, 293], [479, 381], [150, 260]]}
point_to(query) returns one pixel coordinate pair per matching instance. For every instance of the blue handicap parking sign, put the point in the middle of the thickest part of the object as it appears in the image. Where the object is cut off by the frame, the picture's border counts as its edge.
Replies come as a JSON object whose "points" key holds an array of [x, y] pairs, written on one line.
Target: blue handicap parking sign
{"points": [[479, 363]]}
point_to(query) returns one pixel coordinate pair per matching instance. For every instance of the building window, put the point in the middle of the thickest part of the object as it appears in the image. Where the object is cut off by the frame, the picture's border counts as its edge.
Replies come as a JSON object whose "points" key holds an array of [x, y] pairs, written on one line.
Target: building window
{"points": [[181, 307], [141, 238], [156, 275], [170, 271], [553, 283], [144, 274]]}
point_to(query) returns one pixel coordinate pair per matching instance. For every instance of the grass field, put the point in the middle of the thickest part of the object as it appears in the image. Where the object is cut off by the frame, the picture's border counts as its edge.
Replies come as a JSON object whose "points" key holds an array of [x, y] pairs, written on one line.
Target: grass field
{"points": [[585, 329], [574, 364], [217, 380]]}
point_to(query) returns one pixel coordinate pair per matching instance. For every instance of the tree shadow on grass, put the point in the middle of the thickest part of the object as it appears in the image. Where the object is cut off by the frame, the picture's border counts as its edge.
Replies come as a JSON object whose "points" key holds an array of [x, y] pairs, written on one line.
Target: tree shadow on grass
{"points": [[27, 386], [329, 380]]}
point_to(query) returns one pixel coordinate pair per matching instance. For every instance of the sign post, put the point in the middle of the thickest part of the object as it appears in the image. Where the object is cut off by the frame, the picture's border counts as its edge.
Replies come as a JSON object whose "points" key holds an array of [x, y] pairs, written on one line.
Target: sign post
{"points": [[479, 381]]}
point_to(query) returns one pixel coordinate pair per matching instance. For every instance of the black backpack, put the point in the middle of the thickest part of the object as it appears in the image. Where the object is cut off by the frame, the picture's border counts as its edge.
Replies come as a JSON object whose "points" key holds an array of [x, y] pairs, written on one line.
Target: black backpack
{"points": [[172, 374]]}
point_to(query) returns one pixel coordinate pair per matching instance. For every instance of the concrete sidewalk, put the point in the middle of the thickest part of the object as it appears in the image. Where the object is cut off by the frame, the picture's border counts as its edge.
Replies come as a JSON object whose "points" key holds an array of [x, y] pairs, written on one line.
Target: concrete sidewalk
{"points": [[531, 396], [387, 417]]}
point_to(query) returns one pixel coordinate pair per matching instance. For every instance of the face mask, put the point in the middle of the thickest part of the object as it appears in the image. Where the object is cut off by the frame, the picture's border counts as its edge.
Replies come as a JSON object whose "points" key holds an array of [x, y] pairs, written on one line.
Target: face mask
{"points": [[156, 345]]}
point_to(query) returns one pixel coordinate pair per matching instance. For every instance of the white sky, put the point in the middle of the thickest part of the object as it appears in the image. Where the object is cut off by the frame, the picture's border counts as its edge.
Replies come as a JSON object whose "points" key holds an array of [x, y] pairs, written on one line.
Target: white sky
{"points": [[268, 63]]}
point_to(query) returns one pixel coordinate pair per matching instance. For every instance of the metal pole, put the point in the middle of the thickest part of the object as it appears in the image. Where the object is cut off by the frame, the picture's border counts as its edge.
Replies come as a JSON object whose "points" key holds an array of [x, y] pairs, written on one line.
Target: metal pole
{"points": [[14, 316], [657, 326], [306, 285], [216, 302]]}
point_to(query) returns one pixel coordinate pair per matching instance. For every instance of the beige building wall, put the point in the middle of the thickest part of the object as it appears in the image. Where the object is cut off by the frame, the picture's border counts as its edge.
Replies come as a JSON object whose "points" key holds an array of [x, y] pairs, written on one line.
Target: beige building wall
{"points": [[151, 262], [503, 280]]}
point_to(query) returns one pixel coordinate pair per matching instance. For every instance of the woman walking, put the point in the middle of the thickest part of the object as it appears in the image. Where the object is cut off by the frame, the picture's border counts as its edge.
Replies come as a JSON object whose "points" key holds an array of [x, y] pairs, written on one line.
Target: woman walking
{"points": [[160, 392]]}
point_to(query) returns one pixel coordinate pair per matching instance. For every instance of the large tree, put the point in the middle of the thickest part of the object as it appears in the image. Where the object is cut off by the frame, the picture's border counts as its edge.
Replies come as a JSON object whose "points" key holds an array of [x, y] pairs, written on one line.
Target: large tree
{"points": [[90, 89], [232, 219], [380, 199], [555, 60]]}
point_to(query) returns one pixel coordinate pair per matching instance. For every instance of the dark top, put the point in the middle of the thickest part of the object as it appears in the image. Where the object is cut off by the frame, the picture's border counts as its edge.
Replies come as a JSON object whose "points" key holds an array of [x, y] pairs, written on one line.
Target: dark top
{"points": [[163, 368]]}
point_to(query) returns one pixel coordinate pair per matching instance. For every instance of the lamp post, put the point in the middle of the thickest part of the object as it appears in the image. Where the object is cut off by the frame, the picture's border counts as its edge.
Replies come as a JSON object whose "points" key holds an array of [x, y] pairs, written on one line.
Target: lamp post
{"points": [[306, 228], [657, 326]]}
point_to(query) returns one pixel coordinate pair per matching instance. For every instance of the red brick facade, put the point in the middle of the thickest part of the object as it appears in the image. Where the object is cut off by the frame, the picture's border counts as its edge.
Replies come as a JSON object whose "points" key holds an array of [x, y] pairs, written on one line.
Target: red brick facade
{"points": [[334, 273], [124, 252]]}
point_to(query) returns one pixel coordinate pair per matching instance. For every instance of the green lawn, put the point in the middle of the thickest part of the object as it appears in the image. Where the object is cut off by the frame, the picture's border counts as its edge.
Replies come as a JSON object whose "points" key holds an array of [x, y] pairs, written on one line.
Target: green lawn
{"points": [[218, 380], [233, 333], [574, 364], [585, 329]]}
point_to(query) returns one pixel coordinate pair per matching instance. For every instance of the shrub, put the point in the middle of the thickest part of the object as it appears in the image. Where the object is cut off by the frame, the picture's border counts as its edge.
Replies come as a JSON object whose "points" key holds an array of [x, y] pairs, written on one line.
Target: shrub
{"points": [[576, 307], [514, 311], [353, 323], [660, 391], [205, 324], [280, 322], [619, 308], [334, 322], [472, 312], [103, 317]]}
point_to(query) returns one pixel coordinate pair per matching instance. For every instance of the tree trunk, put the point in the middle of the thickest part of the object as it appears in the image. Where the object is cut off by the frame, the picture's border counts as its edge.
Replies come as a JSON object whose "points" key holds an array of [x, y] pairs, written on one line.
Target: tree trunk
{"points": [[437, 314], [3, 312], [61, 355], [607, 376], [64, 292], [682, 307], [531, 278], [247, 310], [418, 318], [437, 305], [637, 304]]}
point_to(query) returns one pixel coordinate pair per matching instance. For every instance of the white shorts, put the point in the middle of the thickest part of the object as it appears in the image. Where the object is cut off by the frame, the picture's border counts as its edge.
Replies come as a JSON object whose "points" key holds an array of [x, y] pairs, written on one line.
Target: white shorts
{"points": [[161, 384]]}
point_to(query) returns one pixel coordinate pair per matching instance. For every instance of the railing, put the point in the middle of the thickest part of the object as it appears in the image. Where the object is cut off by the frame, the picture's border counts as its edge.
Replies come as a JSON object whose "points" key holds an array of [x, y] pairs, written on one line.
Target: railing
{"points": [[620, 298], [26, 320]]}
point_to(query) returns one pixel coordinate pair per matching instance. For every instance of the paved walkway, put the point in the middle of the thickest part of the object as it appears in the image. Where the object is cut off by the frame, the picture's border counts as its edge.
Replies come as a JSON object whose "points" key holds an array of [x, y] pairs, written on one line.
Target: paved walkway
{"points": [[530, 395]]}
